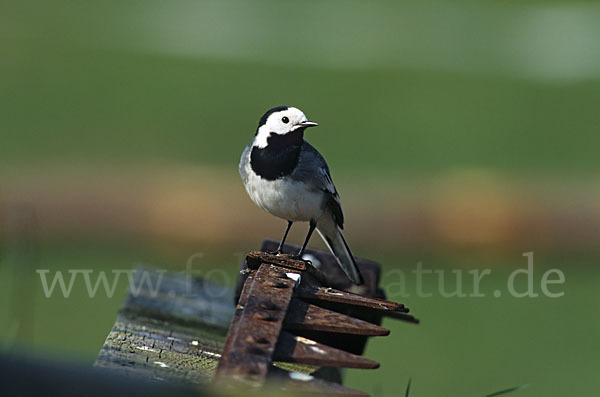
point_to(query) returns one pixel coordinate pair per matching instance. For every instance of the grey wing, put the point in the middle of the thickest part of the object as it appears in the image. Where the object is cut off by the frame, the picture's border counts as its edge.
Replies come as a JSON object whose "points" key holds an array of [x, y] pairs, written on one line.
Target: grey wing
{"points": [[243, 162], [313, 170]]}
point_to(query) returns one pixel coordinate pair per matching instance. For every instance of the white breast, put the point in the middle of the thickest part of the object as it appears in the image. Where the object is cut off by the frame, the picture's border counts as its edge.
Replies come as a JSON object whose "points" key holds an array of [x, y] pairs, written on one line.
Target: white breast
{"points": [[284, 198]]}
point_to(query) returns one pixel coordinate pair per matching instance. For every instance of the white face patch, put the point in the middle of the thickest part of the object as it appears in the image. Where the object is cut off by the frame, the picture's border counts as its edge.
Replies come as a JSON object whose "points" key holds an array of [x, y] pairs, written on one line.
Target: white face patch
{"points": [[276, 124]]}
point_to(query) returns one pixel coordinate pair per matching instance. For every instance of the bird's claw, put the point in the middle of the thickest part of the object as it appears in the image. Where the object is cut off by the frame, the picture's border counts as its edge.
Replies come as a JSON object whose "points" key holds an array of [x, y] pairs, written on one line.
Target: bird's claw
{"points": [[298, 257]]}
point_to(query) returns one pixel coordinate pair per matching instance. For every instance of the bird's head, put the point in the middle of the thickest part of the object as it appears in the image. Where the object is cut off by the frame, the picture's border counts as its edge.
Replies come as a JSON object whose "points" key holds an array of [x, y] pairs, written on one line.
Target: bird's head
{"points": [[281, 120]]}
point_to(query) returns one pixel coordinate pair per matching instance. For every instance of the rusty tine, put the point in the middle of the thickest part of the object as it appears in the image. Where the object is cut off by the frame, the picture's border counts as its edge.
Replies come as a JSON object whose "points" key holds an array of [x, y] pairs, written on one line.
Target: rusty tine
{"points": [[402, 316], [297, 349], [333, 295], [305, 316]]}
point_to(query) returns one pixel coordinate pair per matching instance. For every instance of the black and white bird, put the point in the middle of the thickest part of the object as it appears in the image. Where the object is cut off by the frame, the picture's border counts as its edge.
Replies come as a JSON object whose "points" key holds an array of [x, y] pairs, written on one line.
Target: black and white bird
{"points": [[287, 177]]}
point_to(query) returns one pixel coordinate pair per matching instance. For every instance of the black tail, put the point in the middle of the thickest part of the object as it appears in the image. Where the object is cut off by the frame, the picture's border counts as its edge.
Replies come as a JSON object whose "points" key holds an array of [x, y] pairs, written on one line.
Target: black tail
{"points": [[339, 248]]}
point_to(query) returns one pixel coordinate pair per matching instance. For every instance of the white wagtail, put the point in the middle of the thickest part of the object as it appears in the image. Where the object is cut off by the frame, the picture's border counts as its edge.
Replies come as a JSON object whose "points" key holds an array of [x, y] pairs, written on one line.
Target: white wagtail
{"points": [[287, 177]]}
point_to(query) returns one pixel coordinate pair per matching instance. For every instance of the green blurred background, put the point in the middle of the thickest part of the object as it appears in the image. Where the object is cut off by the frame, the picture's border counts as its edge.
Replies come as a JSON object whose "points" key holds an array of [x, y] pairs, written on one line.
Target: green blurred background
{"points": [[460, 134]]}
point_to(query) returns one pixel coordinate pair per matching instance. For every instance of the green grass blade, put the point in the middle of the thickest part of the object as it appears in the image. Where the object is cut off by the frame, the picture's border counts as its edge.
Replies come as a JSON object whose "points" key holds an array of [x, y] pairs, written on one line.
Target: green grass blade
{"points": [[408, 388], [501, 392]]}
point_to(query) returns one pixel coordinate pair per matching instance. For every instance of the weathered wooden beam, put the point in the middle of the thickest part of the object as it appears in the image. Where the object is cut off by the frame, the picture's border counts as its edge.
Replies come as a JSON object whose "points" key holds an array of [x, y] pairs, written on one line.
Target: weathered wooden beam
{"points": [[174, 333]]}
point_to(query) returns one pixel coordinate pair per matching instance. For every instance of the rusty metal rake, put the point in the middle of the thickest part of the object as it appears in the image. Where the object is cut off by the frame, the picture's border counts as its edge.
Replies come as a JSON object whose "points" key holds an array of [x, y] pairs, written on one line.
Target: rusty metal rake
{"points": [[292, 311]]}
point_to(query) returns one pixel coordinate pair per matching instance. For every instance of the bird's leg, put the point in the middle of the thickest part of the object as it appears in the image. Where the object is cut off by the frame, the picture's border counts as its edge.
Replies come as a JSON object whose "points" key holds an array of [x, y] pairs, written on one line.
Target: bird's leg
{"points": [[287, 229], [311, 229]]}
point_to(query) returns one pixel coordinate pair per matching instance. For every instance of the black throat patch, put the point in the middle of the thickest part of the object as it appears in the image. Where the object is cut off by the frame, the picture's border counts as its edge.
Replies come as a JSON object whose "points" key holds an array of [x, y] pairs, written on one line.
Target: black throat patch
{"points": [[280, 157]]}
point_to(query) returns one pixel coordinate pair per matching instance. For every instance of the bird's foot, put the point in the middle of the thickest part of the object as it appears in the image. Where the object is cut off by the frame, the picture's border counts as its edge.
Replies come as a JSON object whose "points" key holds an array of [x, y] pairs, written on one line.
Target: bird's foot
{"points": [[298, 257], [277, 252]]}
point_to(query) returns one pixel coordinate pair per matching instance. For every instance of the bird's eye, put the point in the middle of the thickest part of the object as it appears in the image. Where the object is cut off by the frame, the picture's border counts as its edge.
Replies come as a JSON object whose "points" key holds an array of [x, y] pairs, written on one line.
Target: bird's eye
{"points": [[285, 120]]}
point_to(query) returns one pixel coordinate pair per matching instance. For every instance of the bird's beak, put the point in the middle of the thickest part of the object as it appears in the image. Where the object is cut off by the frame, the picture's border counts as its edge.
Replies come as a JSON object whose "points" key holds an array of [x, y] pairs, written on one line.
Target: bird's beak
{"points": [[306, 124]]}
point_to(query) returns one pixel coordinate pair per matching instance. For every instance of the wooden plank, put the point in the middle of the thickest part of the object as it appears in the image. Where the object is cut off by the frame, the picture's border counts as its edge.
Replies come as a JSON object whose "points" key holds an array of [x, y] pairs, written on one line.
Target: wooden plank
{"points": [[175, 332]]}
